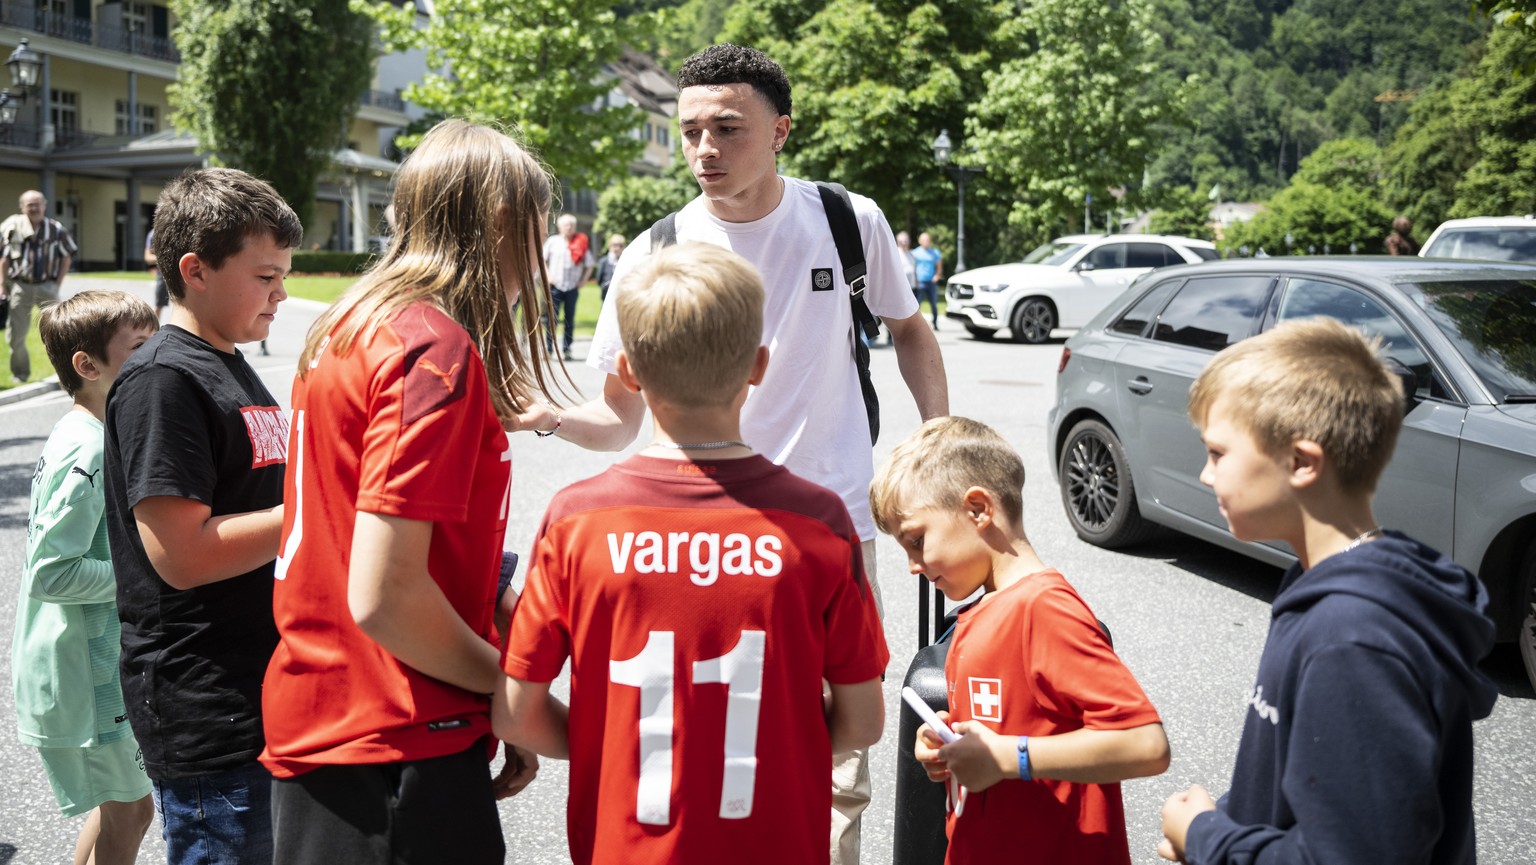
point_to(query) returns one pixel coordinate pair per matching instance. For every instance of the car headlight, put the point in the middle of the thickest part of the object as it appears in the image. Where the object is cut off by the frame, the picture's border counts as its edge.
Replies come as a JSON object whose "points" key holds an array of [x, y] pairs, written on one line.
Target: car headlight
{"points": [[1001, 286]]}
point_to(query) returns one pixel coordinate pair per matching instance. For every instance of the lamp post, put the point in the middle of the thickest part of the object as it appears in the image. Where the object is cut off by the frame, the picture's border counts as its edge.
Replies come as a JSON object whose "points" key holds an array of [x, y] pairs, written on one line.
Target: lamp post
{"points": [[24, 64], [942, 148]]}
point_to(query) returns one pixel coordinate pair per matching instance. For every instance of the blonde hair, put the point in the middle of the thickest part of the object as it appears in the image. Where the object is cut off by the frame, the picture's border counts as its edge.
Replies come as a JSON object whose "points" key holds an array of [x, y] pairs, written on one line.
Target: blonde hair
{"points": [[691, 319], [444, 252], [1314, 379], [933, 467], [88, 322]]}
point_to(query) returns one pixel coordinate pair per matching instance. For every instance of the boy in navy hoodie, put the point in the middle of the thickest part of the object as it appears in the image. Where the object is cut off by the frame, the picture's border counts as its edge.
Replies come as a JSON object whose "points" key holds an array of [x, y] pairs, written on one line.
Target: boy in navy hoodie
{"points": [[1357, 741]]}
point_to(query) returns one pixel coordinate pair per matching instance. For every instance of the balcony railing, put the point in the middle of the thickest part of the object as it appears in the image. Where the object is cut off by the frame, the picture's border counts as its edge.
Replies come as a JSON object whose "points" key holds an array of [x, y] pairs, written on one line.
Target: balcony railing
{"points": [[28, 135], [75, 29], [383, 99]]}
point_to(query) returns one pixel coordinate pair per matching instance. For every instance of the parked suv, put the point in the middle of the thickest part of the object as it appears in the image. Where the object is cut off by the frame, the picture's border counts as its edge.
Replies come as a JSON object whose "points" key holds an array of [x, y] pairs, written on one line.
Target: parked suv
{"points": [[1496, 238], [1461, 334], [1062, 283]]}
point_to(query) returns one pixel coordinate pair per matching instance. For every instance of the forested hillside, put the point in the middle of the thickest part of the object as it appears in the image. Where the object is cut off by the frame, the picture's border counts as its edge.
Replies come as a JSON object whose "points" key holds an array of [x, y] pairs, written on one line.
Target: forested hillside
{"points": [[1400, 106]]}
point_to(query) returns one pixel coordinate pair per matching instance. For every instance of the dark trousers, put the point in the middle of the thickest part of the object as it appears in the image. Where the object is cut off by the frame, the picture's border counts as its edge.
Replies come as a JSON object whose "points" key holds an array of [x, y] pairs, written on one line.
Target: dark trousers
{"points": [[930, 291], [440, 809], [562, 305]]}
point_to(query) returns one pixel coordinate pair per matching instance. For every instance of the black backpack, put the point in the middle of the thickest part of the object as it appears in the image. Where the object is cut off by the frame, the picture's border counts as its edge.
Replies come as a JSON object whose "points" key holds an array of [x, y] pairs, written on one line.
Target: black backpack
{"points": [[850, 253]]}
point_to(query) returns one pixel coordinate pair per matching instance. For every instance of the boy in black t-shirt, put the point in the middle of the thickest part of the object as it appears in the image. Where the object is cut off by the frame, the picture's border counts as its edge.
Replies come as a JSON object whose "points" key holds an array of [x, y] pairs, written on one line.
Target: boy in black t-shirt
{"points": [[195, 453]]}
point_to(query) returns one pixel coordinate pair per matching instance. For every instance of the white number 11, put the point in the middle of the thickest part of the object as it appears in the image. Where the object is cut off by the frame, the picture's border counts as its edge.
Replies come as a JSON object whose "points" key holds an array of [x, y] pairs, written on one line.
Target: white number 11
{"points": [[741, 671]]}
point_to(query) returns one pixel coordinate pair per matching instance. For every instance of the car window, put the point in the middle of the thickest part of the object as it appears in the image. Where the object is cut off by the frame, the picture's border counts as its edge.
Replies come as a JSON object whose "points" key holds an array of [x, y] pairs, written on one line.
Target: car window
{"points": [[1134, 321], [1055, 252], [1151, 255], [1493, 324], [1110, 256], [1204, 254], [1311, 298], [1213, 312], [1507, 243]]}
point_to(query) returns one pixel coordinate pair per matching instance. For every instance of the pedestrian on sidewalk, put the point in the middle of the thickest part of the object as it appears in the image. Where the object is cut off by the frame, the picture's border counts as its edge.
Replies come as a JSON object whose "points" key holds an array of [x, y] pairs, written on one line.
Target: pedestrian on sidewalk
{"points": [[38, 253]]}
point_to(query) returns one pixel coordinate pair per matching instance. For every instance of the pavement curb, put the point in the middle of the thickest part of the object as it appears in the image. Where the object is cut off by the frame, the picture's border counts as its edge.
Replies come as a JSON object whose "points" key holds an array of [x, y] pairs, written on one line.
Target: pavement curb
{"points": [[27, 391]]}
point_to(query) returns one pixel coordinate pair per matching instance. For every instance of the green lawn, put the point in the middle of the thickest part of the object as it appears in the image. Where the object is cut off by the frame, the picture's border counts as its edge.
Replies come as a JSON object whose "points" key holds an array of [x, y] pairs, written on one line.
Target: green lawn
{"points": [[41, 368]]}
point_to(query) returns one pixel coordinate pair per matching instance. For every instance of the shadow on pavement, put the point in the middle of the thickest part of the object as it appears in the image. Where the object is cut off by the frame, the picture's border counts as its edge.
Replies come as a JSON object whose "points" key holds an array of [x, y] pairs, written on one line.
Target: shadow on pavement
{"points": [[1211, 562]]}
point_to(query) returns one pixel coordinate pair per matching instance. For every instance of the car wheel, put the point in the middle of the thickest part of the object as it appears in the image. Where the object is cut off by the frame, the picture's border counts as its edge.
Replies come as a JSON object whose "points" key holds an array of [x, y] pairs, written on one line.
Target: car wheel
{"points": [[1096, 488], [981, 333], [1527, 635], [1033, 321]]}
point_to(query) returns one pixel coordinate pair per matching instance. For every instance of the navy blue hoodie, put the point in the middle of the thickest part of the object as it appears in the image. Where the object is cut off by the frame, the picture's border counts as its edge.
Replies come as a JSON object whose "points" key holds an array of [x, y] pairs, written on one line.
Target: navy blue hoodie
{"points": [[1357, 744]]}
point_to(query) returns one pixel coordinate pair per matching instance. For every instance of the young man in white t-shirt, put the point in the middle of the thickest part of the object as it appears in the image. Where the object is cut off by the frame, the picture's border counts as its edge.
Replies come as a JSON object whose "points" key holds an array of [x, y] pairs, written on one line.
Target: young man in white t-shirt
{"points": [[808, 413]]}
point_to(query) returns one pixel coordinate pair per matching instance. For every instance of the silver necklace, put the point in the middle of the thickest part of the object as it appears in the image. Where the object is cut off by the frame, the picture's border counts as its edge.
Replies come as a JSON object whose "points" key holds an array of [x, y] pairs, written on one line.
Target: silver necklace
{"points": [[699, 446], [1366, 535]]}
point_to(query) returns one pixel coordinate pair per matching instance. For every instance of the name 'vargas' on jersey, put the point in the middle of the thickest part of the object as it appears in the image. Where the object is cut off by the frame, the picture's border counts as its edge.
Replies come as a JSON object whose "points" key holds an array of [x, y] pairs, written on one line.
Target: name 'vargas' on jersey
{"points": [[706, 554]]}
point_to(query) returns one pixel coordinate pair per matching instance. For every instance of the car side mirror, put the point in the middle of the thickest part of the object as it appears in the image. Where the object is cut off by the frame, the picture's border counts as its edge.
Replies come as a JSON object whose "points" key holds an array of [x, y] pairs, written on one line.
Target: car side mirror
{"points": [[1407, 377], [1084, 266]]}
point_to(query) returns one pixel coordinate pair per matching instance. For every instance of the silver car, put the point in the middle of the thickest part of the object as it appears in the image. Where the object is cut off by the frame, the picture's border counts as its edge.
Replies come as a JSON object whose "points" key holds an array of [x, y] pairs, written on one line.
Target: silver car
{"points": [[1461, 334]]}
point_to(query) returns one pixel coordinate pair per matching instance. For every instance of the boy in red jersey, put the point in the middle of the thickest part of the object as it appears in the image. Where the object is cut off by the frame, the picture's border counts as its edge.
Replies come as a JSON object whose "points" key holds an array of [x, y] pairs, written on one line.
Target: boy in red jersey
{"points": [[1050, 721], [703, 594]]}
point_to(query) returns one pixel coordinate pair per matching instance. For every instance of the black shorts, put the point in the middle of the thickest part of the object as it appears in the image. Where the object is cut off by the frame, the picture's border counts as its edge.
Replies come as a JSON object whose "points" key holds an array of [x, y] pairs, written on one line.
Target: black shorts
{"points": [[412, 812]]}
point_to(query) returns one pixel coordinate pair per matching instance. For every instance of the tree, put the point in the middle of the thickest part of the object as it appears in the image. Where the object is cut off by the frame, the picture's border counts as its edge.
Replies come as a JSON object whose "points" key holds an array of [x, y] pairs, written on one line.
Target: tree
{"points": [[635, 203], [875, 81], [1069, 112], [1185, 212], [1334, 201], [237, 92], [532, 64]]}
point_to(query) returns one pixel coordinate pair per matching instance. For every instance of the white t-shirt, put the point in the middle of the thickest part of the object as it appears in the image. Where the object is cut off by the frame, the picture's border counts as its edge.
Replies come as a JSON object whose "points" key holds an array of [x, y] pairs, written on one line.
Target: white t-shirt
{"points": [[808, 414]]}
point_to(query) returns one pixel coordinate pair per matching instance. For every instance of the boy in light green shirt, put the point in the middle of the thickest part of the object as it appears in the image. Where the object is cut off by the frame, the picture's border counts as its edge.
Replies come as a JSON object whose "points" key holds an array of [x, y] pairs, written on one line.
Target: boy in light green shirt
{"points": [[69, 703]]}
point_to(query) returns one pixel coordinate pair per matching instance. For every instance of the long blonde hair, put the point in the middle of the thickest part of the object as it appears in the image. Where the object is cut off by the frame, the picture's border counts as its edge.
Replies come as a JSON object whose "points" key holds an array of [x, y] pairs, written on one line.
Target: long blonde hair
{"points": [[444, 252]]}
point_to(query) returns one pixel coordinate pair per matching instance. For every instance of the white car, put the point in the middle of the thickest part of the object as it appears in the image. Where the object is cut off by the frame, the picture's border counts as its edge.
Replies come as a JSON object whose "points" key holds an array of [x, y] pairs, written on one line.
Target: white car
{"points": [[1495, 238], [1063, 283]]}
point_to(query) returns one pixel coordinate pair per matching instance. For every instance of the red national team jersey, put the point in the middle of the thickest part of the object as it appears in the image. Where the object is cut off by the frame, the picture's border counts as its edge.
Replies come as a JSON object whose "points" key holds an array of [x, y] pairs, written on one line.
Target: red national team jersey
{"points": [[1030, 660], [701, 605], [401, 425]]}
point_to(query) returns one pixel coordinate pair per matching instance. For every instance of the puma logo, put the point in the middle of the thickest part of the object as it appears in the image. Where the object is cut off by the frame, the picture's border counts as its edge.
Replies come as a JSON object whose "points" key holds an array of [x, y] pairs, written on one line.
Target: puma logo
{"points": [[447, 377], [90, 476]]}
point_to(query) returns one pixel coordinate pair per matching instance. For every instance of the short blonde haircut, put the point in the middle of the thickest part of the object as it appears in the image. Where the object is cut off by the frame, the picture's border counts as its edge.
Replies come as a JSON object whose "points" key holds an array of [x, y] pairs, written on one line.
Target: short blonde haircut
{"points": [[691, 319], [1314, 379], [933, 467]]}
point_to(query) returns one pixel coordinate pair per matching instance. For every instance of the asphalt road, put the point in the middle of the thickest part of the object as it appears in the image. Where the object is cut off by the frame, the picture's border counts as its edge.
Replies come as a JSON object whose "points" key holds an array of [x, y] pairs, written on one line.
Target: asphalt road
{"points": [[1188, 618]]}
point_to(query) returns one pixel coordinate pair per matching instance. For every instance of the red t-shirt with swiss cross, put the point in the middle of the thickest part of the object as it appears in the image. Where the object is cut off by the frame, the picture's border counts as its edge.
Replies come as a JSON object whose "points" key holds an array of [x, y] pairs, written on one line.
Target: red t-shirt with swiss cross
{"points": [[1030, 660], [401, 425]]}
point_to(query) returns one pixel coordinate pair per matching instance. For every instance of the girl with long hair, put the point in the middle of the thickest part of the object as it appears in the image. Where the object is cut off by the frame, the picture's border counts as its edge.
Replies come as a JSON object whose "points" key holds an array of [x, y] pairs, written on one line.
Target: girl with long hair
{"points": [[398, 477]]}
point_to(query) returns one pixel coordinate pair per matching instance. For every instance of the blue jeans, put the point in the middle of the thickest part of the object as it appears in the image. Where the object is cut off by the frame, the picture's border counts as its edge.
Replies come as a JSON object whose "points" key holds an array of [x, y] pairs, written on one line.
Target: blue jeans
{"points": [[930, 291], [219, 819], [562, 304]]}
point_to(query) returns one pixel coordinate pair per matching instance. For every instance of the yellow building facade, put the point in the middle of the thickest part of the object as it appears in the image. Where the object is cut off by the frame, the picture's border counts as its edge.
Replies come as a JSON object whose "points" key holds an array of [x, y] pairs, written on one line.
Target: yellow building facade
{"points": [[94, 133]]}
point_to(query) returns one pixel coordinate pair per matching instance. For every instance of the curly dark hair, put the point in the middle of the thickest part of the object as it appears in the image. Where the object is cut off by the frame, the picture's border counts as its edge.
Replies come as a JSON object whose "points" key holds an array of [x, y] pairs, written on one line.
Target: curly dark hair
{"points": [[735, 64]]}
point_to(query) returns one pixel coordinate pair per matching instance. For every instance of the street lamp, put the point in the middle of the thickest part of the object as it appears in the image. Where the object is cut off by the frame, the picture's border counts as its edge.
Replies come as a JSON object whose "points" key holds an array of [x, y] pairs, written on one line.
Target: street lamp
{"points": [[942, 148], [25, 64]]}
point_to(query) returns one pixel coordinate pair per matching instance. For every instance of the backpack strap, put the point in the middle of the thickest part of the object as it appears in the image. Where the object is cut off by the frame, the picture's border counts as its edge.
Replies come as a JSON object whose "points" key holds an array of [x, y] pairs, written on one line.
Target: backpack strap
{"points": [[850, 251], [664, 231]]}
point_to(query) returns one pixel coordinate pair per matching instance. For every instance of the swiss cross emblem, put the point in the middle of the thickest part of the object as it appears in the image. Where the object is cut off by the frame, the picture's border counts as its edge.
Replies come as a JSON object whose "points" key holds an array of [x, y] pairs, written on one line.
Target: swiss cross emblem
{"points": [[986, 699]]}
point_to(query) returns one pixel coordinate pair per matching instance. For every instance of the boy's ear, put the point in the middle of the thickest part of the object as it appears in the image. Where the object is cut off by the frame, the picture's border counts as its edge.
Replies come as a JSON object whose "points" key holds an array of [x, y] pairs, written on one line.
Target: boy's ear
{"points": [[1307, 462], [194, 271], [759, 366], [626, 373], [979, 506], [85, 366]]}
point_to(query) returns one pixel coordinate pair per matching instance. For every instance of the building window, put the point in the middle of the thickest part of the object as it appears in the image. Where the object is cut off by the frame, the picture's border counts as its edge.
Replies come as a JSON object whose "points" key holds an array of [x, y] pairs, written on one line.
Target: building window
{"points": [[149, 118], [136, 17], [65, 111], [663, 136]]}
